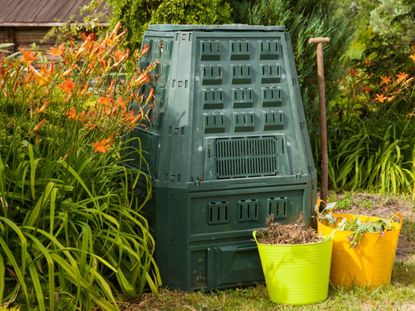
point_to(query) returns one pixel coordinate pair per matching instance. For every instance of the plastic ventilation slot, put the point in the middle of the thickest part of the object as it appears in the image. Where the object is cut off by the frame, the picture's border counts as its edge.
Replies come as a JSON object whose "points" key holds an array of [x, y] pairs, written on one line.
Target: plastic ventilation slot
{"points": [[240, 50], [218, 213], [210, 50], [278, 207], [244, 122], [211, 74], [214, 123], [248, 210], [241, 74], [243, 98], [212, 99], [247, 156], [273, 120], [269, 50], [271, 97], [270, 73]]}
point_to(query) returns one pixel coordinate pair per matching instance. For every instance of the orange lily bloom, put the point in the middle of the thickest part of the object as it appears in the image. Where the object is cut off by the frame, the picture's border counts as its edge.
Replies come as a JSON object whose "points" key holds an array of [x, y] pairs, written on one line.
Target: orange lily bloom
{"points": [[385, 80], [144, 50], [71, 113], [39, 125], [67, 86], [402, 76], [44, 106], [367, 89], [143, 78], [380, 98], [56, 52], [28, 57], [103, 145], [105, 100]]}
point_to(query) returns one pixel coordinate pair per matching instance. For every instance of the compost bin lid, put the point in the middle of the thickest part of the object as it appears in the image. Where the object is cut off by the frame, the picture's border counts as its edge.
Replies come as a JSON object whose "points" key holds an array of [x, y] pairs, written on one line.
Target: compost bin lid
{"points": [[226, 27]]}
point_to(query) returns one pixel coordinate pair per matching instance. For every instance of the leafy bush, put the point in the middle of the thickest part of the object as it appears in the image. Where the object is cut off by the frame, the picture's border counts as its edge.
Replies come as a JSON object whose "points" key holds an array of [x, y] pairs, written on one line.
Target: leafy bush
{"points": [[72, 231], [363, 155], [305, 19], [191, 12], [137, 14], [373, 133]]}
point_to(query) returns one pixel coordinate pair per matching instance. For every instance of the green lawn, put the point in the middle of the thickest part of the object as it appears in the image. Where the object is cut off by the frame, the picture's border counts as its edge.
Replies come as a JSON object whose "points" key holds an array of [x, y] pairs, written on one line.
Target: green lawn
{"points": [[400, 295]]}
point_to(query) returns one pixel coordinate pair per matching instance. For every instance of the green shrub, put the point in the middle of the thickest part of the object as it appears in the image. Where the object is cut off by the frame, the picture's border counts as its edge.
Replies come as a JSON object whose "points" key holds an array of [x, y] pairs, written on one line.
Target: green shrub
{"points": [[364, 155], [192, 12], [72, 231], [135, 15], [305, 19]]}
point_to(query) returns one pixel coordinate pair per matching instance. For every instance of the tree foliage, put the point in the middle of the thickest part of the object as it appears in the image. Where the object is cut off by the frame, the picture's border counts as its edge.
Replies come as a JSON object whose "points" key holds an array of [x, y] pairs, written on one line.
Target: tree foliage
{"points": [[135, 15]]}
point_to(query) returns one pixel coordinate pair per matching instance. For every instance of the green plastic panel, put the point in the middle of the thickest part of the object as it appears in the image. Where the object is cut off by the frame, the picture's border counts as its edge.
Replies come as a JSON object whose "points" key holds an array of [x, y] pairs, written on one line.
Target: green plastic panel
{"points": [[227, 145], [204, 239]]}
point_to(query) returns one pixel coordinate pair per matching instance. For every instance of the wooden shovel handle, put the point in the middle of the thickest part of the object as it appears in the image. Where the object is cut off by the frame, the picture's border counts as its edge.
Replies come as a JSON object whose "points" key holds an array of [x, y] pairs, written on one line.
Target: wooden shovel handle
{"points": [[319, 40]]}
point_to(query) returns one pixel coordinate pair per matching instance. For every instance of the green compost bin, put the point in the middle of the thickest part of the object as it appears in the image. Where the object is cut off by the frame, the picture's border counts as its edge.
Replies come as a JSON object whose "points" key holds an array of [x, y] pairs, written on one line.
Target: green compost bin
{"points": [[227, 146]]}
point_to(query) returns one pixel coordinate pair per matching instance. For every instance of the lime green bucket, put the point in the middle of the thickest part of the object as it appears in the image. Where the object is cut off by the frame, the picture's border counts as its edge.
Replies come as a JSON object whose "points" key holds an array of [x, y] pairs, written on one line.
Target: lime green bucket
{"points": [[296, 274]]}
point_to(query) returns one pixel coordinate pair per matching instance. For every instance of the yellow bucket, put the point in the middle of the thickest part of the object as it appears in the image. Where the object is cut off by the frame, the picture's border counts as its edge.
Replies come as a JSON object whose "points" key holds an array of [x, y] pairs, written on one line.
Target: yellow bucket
{"points": [[368, 264], [296, 274]]}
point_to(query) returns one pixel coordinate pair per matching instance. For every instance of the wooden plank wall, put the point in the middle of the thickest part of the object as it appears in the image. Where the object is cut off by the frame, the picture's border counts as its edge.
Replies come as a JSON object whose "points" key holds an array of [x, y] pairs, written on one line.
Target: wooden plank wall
{"points": [[24, 37]]}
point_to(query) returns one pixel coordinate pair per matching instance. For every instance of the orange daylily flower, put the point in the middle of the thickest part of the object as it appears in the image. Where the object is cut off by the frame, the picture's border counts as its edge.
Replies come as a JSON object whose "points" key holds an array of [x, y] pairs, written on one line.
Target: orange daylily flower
{"points": [[131, 118], [367, 62], [67, 86], [103, 64], [143, 78], [39, 125], [385, 80], [412, 57], [120, 102], [28, 57], [44, 106], [150, 95], [68, 71], [84, 89], [103, 145], [118, 55], [353, 72], [43, 80], [56, 52], [380, 98], [402, 76], [367, 89], [390, 98], [71, 113], [105, 100], [144, 50]]}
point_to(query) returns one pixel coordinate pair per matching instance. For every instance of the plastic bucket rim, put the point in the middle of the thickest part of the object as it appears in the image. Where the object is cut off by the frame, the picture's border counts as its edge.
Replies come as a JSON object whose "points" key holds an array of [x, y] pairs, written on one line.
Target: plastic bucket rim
{"points": [[395, 225], [325, 239]]}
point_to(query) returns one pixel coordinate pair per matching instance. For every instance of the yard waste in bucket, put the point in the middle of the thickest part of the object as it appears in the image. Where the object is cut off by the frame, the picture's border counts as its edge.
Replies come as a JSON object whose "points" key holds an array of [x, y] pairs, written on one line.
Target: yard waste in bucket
{"points": [[370, 262], [296, 274]]}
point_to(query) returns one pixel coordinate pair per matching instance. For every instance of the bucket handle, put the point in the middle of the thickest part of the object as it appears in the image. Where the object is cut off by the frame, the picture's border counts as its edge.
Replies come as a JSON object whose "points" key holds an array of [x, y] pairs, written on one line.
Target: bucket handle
{"points": [[254, 235], [399, 215]]}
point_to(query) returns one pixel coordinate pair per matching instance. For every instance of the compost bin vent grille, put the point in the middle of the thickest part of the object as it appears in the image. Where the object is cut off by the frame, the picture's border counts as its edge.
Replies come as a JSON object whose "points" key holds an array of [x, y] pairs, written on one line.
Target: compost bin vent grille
{"points": [[247, 156]]}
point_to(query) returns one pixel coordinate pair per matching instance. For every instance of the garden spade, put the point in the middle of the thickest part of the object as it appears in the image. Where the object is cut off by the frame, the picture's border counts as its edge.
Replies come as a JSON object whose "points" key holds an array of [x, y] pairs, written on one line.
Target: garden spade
{"points": [[323, 118]]}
